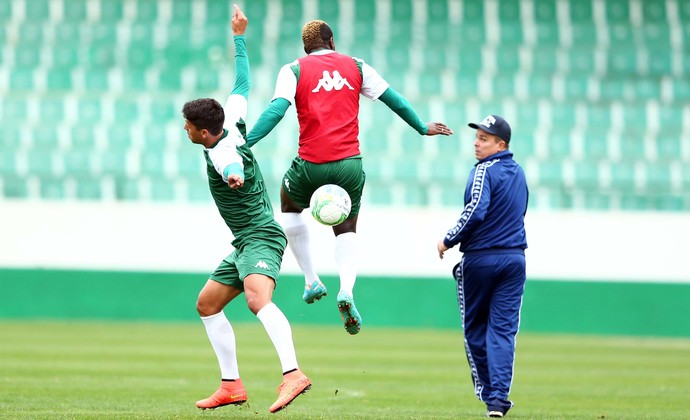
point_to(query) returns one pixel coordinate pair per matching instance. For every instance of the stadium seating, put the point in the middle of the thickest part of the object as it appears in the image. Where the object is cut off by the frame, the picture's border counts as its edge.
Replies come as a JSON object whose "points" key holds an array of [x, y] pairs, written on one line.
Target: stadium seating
{"points": [[596, 92]]}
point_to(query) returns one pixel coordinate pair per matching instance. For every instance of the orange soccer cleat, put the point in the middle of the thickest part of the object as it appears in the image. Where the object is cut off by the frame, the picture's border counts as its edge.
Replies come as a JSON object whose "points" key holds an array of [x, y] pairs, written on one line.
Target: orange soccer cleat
{"points": [[294, 384], [230, 392]]}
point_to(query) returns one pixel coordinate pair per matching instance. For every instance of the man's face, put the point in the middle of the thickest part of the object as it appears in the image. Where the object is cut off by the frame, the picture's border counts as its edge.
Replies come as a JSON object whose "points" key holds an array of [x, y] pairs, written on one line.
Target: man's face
{"points": [[486, 144], [195, 135]]}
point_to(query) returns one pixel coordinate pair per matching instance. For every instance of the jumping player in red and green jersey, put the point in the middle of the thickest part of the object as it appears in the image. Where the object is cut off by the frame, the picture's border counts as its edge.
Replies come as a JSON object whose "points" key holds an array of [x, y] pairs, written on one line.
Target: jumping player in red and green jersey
{"points": [[239, 192], [325, 87]]}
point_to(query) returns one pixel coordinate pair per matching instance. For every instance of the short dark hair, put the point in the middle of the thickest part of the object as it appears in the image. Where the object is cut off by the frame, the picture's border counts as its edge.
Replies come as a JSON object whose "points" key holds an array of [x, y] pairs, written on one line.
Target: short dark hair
{"points": [[205, 113]]}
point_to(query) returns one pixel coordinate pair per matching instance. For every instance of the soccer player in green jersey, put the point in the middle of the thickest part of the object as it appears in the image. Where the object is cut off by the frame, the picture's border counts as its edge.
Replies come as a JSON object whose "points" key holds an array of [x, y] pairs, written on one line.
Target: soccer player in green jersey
{"points": [[238, 190]]}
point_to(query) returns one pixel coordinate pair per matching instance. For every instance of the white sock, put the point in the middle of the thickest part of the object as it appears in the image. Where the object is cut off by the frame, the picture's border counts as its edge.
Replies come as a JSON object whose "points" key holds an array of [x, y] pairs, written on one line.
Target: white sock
{"points": [[346, 258], [222, 338], [297, 233], [280, 333]]}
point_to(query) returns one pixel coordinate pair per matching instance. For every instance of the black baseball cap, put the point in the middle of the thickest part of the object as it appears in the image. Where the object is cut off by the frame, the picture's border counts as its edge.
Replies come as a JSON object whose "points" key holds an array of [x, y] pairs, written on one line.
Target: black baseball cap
{"points": [[494, 124]]}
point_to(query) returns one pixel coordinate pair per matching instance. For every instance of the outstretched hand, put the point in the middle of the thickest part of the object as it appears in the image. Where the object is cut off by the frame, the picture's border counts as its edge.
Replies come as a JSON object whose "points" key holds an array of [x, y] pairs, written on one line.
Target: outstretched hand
{"points": [[441, 248], [437, 128], [239, 21], [235, 181]]}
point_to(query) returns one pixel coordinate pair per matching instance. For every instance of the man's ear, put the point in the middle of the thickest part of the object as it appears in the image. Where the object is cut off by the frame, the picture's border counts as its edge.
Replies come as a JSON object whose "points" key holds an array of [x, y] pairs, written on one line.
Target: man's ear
{"points": [[331, 43]]}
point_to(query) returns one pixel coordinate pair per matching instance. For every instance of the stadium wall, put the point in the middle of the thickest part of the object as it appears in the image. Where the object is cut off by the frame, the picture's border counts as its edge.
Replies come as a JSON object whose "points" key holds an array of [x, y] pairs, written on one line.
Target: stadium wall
{"points": [[613, 273]]}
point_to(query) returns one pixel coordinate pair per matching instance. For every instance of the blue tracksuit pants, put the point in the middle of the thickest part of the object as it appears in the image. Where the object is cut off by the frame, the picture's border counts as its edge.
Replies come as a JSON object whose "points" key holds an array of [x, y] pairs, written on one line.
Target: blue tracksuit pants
{"points": [[490, 288]]}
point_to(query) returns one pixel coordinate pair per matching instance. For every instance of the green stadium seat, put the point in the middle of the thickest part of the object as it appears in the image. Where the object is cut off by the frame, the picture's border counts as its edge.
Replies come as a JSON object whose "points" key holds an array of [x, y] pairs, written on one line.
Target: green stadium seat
{"points": [[622, 35], [511, 35], [586, 175], [146, 11], [550, 173], [452, 196], [134, 79], [8, 162], [111, 10], [67, 34], [547, 34], [581, 61], [503, 85], [558, 199], [41, 162], [101, 33], [660, 62], [622, 61], [89, 110], [671, 117], [27, 57], [170, 79], [671, 203], [127, 189], [559, 143], [101, 58], [637, 202], [472, 11], [598, 117], [632, 144], [78, 162], [508, 11], [192, 165], [507, 60], [119, 137], [10, 138], [527, 116], [152, 163], [545, 11], [645, 88], [437, 12], [74, 11], [617, 10], [584, 34], [182, 12], [681, 89], [667, 144], [45, 139], [563, 115], [31, 33], [5, 11], [416, 195], [14, 108], [21, 80], [595, 200], [430, 84], [434, 59], [65, 56], [15, 186], [52, 109], [580, 11], [623, 176], [406, 169], [114, 163], [469, 35], [83, 136], [658, 177], [438, 34], [656, 36], [51, 188], [539, 85], [36, 10], [329, 11], [402, 12], [576, 86], [162, 189], [635, 116], [126, 109], [654, 11], [198, 192], [220, 11], [59, 79], [595, 144], [378, 193], [614, 88], [398, 56], [88, 188], [470, 67], [96, 79]]}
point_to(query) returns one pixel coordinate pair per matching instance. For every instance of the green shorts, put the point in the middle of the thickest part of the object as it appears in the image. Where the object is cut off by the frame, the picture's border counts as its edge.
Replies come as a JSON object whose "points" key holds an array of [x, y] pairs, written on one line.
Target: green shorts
{"points": [[303, 178], [259, 256]]}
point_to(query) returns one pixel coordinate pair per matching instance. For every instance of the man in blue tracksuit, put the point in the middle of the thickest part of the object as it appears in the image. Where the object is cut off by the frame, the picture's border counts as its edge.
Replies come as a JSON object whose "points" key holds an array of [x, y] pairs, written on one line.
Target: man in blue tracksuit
{"points": [[491, 274]]}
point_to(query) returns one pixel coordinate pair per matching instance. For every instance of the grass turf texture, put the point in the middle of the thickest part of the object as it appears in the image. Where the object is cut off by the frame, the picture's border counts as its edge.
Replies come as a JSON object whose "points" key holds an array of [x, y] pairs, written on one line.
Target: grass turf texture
{"points": [[52, 370]]}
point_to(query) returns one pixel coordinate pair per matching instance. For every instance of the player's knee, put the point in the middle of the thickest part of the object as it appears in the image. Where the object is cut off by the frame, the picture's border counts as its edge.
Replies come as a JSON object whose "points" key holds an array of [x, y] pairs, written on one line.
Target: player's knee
{"points": [[206, 308]]}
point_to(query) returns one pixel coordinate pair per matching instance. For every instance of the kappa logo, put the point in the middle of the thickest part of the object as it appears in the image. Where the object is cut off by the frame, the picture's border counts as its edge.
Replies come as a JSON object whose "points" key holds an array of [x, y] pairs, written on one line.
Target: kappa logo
{"points": [[287, 184], [488, 121], [329, 83], [261, 264]]}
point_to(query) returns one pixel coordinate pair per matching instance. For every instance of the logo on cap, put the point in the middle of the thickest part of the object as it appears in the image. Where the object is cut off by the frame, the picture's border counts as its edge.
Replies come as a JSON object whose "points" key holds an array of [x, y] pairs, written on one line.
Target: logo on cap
{"points": [[488, 121]]}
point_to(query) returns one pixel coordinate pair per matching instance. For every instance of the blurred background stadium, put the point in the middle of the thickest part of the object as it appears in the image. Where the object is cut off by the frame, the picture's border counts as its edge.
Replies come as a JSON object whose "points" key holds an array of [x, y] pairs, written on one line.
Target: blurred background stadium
{"points": [[96, 172]]}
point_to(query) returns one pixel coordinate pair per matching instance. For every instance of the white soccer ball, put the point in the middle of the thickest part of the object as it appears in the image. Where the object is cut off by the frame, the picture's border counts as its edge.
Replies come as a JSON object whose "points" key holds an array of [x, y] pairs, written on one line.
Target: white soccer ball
{"points": [[330, 205]]}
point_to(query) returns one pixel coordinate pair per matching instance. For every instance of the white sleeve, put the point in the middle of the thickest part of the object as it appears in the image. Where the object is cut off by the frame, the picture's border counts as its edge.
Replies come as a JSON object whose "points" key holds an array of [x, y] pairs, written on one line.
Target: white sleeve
{"points": [[235, 109], [286, 85], [373, 85], [225, 154]]}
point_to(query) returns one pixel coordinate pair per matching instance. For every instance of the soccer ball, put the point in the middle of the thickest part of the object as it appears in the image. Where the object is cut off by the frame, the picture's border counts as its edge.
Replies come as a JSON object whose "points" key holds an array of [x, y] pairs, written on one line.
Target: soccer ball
{"points": [[330, 205]]}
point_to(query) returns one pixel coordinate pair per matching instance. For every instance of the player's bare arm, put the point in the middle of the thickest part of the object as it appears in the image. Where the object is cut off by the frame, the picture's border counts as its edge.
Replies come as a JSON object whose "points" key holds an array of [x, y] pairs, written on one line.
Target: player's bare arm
{"points": [[437, 128], [239, 21]]}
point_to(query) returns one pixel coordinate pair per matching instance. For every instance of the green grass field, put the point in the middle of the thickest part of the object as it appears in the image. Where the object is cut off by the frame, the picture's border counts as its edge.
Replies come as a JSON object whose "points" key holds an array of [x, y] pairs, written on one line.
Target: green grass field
{"points": [[56, 370]]}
